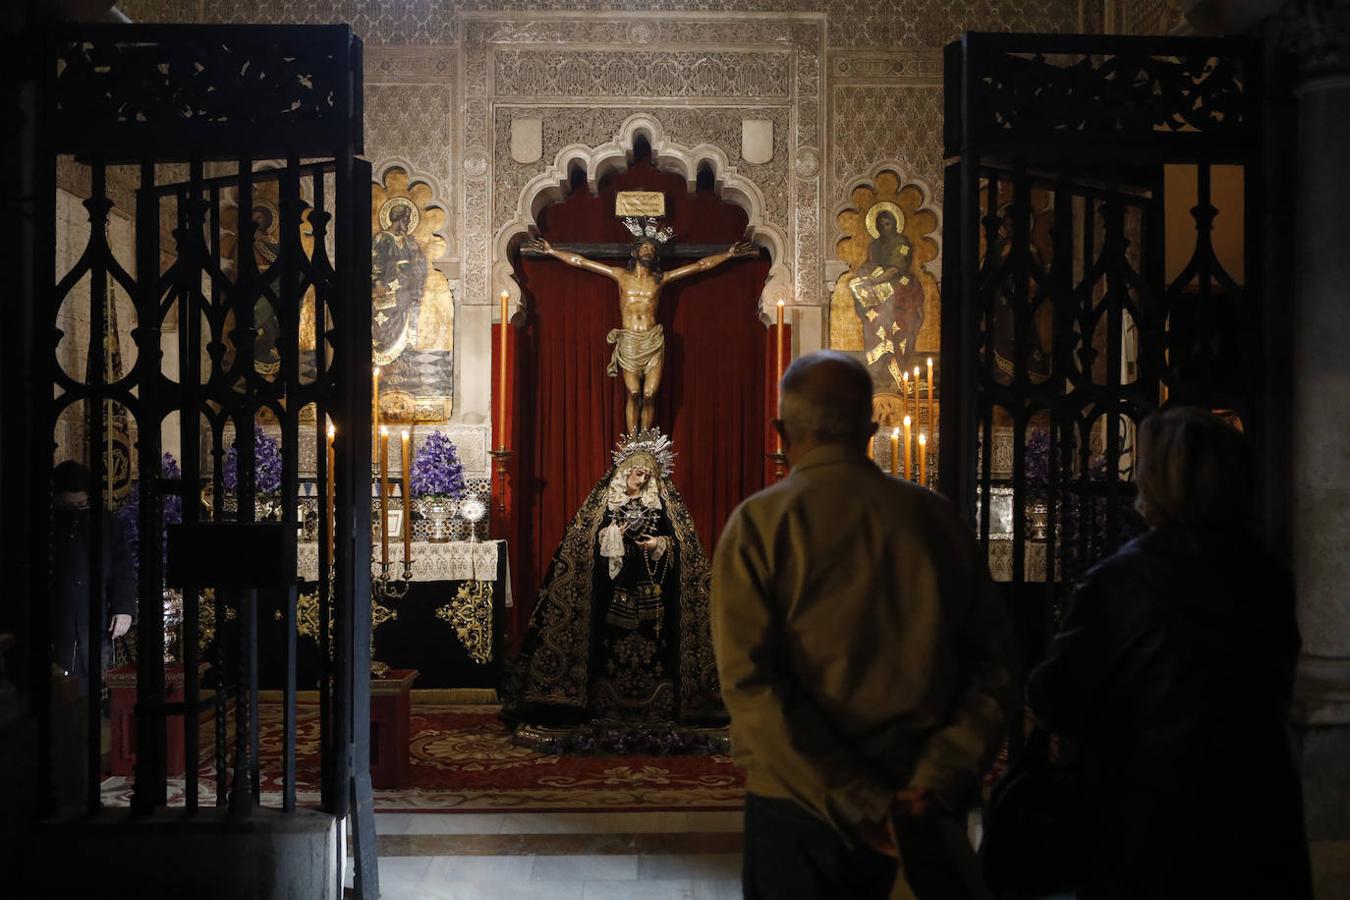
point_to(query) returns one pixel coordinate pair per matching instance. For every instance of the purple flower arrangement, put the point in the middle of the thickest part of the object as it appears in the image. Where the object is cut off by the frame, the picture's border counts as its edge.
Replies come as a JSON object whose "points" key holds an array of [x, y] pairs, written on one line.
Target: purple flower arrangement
{"points": [[436, 470], [266, 464], [129, 514]]}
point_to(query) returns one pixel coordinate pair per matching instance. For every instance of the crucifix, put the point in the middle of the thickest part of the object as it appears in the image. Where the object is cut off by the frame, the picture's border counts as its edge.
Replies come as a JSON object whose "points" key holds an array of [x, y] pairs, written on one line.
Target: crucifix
{"points": [[639, 346]]}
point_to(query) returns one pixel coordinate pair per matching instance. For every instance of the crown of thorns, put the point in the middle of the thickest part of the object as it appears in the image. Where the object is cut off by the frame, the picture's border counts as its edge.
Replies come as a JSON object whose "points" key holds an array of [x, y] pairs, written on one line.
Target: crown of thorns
{"points": [[648, 227], [649, 442]]}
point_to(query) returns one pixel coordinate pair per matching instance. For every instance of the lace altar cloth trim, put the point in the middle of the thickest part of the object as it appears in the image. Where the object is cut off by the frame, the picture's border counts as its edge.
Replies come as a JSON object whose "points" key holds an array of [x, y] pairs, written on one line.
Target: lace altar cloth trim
{"points": [[453, 561]]}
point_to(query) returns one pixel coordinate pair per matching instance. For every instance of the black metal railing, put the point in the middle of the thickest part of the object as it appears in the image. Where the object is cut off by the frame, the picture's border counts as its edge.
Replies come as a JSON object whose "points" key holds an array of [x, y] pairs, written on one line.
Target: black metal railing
{"points": [[1059, 312], [250, 231]]}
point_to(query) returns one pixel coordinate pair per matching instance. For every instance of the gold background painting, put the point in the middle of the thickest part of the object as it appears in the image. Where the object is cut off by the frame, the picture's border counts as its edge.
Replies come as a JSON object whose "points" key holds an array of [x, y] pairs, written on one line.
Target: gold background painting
{"points": [[436, 315], [266, 194], [920, 227]]}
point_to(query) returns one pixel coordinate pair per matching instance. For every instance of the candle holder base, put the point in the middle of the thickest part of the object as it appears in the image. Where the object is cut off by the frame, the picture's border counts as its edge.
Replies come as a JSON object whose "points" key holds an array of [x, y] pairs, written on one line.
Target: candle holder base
{"points": [[388, 587], [500, 458], [779, 459]]}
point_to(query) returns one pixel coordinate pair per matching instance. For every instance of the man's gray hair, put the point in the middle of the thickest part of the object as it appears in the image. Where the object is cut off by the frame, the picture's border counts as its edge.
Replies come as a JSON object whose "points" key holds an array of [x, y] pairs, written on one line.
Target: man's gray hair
{"points": [[826, 396]]}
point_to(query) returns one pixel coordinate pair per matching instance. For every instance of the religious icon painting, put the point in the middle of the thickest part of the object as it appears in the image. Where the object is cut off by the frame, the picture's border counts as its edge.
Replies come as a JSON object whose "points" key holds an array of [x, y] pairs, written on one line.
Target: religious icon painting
{"points": [[886, 306], [255, 236], [412, 304]]}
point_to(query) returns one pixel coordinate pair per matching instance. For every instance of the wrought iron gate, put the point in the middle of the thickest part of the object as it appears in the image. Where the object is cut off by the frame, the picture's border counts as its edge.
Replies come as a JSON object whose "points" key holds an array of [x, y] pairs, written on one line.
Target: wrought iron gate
{"points": [[1075, 304], [249, 237]]}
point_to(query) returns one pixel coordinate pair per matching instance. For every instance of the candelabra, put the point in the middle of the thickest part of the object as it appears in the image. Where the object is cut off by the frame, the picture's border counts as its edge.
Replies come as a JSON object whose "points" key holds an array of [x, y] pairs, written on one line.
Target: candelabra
{"points": [[388, 587]]}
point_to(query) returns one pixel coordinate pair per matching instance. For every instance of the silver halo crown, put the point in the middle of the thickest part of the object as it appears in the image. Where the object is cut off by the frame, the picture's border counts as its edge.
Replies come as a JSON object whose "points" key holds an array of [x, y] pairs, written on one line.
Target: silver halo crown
{"points": [[648, 227], [648, 442]]}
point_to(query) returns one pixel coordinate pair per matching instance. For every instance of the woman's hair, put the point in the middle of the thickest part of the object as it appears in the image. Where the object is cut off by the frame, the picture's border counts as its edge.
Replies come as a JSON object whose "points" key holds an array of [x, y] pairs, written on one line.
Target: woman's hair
{"points": [[1194, 470]]}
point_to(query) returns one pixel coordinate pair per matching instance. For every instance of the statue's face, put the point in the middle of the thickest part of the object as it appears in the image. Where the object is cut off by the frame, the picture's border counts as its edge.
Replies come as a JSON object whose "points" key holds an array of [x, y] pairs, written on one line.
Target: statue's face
{"points": [[646, 252], [638, 476]]}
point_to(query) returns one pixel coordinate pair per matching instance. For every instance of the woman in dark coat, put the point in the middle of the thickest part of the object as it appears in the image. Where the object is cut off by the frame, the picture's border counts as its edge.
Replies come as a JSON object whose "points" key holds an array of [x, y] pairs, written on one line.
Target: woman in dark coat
{"points": [[1171, 681]]}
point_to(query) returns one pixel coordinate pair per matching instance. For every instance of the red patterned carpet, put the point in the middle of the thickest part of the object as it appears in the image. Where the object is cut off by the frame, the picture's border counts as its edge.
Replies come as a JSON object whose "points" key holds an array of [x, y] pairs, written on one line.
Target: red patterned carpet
{"points": [[463, 760]]}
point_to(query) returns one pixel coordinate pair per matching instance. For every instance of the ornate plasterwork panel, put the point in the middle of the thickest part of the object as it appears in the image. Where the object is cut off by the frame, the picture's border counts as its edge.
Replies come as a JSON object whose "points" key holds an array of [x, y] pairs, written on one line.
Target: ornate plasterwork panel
{"points": [[584, 76], [852, 23], [410, 119], [565, 126], [872, 123], [638, 73]]}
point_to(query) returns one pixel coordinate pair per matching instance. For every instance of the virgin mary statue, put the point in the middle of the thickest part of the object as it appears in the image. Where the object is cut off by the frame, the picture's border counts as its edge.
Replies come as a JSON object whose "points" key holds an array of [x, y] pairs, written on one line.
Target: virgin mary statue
{"points": [[618, 651]]}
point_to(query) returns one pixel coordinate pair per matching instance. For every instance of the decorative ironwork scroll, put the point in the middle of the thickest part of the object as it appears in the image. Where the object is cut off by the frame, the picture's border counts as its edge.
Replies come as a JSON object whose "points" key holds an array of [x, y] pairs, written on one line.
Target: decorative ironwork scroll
{"points": [[1073, 305], [258, 264]]}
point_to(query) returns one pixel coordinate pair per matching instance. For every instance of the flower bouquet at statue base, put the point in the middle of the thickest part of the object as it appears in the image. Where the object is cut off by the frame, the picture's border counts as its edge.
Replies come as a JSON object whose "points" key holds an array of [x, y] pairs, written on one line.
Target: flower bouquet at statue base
{"points": [[437, 484]]}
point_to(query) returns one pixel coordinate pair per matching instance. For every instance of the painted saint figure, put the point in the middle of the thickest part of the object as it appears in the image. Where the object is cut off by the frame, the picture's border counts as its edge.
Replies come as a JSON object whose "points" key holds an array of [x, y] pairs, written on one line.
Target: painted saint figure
{"points": [[639, 346], [398, 273], [888, 295]]}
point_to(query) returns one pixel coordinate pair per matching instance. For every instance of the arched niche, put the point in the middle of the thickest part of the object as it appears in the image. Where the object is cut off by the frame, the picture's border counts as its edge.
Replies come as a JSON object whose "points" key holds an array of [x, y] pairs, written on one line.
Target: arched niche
{"points": [[596, 162]]}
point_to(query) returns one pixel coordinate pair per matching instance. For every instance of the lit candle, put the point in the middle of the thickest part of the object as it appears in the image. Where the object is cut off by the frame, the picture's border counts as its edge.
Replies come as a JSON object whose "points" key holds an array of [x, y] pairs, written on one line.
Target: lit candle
{"points": [[501, 372], [932, 423], [895, 451], [872, 447], [332, 482], [384, 496], [923, 459], [908, 445], [375, 403], [904, 392], [407, 496], [778, 370]]}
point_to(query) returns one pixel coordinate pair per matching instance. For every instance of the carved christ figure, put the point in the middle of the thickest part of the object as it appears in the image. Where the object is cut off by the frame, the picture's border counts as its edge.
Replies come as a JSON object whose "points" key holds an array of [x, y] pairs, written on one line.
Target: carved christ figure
{"points": [[640, 345]]}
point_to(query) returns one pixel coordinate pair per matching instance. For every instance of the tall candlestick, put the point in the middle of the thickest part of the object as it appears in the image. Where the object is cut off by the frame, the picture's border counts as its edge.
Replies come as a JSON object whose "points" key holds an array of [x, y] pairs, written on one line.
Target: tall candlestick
{"points": [[895, 452], [501, 372], [384, 496], [918, 400], [778, 369], [375, 403], [332, 482], [904, 393], [407, 495], [907, 446], [932, 423], [923, 459]]}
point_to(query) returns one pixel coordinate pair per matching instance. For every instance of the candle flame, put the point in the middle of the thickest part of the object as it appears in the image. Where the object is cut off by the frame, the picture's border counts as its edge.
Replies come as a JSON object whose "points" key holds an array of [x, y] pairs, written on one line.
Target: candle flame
{"points": [[906, 420], [896, 432], [780, 302], [332, 432], [384, 431], [923, 438], [506, 295], [916, 371], [375, 371], [405, 434]]}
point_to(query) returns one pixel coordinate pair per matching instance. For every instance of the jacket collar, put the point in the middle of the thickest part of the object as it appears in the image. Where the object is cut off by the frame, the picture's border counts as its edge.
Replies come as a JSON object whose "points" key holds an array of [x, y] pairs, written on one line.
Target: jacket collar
{"points": [[828, 455]]}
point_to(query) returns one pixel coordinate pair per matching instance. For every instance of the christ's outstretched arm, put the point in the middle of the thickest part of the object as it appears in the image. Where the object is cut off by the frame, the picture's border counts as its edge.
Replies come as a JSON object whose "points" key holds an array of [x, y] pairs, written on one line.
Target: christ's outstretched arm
{"points": [[741, 248], [572, 259]]}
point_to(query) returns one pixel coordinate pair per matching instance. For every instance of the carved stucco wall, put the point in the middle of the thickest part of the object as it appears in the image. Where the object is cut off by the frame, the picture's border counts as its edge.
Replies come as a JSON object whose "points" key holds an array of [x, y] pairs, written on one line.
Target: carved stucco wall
{"points": [[697, 76], [848, 84], [852, 23]]}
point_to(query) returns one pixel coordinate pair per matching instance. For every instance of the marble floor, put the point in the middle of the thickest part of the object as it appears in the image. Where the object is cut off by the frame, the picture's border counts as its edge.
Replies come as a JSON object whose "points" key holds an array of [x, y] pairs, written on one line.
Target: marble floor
{"points": [[560, 856]]}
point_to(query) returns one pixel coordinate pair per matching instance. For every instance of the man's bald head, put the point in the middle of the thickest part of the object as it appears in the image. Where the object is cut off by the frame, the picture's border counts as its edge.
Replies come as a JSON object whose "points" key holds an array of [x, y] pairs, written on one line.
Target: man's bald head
{"points": [[826, 397]]}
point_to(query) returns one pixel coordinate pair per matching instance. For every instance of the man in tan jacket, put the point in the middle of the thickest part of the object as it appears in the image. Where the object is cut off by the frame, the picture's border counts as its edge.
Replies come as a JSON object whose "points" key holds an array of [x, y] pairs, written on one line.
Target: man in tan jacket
{"points": [[864, 657]]}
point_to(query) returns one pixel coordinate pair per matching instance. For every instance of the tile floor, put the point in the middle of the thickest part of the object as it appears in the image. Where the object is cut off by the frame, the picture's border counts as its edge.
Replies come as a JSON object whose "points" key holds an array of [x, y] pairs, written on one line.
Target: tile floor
{"points": [[567, 856]]}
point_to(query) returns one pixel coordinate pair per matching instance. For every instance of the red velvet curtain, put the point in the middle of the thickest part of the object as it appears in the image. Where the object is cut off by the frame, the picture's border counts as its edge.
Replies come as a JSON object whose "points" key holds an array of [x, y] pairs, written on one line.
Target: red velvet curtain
{"points": [[569, 413]]}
